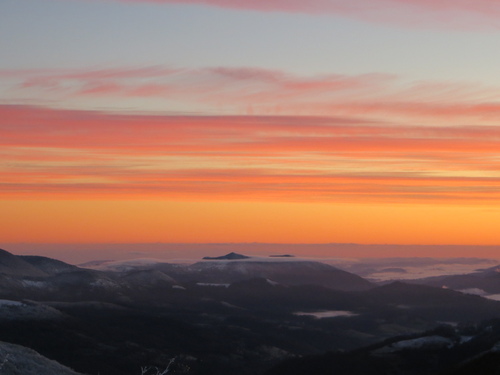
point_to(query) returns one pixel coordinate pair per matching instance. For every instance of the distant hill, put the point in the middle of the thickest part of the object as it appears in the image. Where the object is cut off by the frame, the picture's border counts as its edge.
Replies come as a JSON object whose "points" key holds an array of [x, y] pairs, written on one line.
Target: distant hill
{"points": [[11, 264], [148, 278], [48, 265], [287, 272], [230, 256], [233, 267], [435, 303], [487, 280]]}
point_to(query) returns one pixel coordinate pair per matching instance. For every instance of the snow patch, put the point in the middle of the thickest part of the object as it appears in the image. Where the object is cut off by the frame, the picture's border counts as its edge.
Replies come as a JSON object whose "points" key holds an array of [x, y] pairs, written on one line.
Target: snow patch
{"points": [[496, 347], [273, 283], [327, 314], [474, 291], [464, 339], [494, 297], [35, 284], [418, 343], [227, 304], [123, 265], [102, 283]]}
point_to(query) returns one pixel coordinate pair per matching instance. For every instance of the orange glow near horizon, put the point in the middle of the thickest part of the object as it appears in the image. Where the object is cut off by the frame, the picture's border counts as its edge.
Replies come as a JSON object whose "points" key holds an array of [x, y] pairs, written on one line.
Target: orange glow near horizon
{"points": [[91, 221], [86, 177]]}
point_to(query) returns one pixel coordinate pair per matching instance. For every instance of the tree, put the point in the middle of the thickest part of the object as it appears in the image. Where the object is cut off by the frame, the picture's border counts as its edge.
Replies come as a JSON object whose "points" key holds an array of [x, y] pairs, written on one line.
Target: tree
{"points": [[153, 370]]}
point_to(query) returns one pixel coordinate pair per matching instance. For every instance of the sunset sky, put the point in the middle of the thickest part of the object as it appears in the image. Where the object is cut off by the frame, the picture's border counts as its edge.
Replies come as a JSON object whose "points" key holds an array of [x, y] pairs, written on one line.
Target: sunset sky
{"points": [[276, 121]]}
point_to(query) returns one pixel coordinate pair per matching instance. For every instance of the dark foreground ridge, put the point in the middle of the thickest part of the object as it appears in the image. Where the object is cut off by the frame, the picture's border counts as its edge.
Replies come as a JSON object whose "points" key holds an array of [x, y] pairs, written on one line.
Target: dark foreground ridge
{"points": [[468, 350], [18, 360]]}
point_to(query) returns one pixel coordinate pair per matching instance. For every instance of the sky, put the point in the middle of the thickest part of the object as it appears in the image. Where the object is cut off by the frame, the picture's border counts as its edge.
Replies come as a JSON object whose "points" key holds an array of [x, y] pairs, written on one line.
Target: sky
{"points": [[241, 121]]}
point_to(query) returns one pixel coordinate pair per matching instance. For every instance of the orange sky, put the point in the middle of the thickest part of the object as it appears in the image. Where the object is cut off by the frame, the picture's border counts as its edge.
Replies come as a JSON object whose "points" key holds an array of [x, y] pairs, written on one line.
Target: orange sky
{"points": [[86, 177], [90, 221], [277, 121]]}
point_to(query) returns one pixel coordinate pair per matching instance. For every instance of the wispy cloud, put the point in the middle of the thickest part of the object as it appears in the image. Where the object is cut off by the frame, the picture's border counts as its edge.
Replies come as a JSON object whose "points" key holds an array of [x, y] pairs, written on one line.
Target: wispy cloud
{"points": [[79, 153], [258, 83], [469, 14], [258, 91]]}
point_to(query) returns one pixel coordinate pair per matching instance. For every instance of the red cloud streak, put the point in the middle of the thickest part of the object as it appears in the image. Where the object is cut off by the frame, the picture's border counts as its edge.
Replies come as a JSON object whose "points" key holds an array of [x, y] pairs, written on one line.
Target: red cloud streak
{"points": [[48, 151]]}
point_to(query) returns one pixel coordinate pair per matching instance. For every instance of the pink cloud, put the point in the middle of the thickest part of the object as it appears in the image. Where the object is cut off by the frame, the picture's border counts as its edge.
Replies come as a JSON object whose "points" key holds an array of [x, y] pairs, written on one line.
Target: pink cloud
{"points": [[23, 126], [75, 153], [264, 83], [479, 14]]}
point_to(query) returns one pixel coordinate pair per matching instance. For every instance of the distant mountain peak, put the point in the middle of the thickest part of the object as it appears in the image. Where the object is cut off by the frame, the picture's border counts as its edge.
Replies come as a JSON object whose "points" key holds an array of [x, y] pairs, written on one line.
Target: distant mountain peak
{"points": [[230, 256]]}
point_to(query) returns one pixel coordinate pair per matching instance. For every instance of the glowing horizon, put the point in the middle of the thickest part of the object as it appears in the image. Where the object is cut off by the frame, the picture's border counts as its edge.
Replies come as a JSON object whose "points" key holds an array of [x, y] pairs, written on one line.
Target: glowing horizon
{"points": [[340, 140]]}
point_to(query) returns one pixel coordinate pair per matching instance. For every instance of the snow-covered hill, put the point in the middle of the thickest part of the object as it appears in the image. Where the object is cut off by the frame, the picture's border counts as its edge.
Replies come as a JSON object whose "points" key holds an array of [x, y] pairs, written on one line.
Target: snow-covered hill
{"points": [[19, 360]]}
